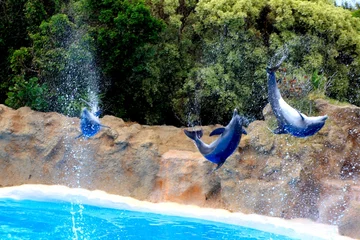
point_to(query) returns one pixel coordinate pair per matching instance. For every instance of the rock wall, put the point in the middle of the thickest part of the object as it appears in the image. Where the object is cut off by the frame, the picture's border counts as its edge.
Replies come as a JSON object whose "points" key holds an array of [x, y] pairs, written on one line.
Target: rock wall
{"points": [[275, 175]]}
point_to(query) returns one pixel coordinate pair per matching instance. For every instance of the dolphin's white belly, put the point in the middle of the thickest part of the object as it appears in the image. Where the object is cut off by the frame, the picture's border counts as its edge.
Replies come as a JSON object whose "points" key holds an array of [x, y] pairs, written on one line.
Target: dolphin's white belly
{"points": [[291, 115]]}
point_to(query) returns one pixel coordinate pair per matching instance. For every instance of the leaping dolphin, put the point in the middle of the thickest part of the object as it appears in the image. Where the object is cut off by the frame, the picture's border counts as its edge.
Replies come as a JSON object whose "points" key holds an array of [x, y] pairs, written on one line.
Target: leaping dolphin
{"points": [[89, 123], [219, 150], [289, 119]]}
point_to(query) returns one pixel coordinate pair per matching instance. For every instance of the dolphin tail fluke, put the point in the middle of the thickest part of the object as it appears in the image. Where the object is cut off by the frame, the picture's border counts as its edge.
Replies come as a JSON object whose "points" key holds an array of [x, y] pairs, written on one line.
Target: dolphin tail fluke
{"points": [[193, 134], [271, 69]]}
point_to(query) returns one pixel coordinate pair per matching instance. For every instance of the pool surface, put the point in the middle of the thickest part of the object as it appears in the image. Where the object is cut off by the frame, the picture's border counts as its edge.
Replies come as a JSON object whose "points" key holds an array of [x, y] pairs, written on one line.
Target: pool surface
{"points": [[59, 212], [26, 219]]}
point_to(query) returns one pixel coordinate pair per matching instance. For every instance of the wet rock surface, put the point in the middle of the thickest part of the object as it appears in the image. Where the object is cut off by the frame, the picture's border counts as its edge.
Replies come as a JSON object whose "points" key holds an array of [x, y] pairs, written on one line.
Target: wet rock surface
{"points": [[350, 222], [274, 175]]}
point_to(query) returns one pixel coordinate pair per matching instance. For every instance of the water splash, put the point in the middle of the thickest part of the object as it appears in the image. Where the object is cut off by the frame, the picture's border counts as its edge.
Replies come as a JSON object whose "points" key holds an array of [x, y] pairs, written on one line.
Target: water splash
{"points": [[79, 86], [77, 220], [79, 78], [78, 156], [193, 113]]}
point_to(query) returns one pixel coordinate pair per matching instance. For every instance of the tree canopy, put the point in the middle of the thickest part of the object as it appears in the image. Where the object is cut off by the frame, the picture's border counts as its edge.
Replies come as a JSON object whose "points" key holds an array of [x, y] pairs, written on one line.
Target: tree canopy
{"points": [[172, 61]]}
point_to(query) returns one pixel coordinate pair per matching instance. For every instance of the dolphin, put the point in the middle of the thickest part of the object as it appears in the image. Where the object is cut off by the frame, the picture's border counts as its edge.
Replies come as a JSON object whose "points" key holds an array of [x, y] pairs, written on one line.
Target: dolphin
{"points": [[219, 150], [89, 123], [290, 120]]}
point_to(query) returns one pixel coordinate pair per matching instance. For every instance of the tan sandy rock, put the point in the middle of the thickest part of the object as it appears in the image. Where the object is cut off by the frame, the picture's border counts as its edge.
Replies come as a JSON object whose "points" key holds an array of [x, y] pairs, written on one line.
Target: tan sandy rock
{"points": [[276, 175]]}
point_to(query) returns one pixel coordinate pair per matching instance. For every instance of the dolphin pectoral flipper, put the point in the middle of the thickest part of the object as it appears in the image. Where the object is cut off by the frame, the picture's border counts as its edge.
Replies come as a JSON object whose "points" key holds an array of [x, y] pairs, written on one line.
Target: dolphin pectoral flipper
{"points": [[97, 114], [243, 131], [279, 130], [217, 167], [79, 136], [194, 134], [217, 131], [302, 117]]}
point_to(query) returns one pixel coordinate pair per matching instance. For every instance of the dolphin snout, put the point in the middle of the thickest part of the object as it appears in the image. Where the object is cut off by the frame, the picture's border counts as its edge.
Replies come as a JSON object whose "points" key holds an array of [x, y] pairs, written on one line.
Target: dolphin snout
{"points": [[235, 112], [325, 117]]}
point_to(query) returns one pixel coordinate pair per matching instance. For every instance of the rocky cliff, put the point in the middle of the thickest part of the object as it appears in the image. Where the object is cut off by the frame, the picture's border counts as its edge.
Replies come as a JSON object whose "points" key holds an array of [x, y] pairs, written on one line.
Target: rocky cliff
{"points": [[275, 175]]}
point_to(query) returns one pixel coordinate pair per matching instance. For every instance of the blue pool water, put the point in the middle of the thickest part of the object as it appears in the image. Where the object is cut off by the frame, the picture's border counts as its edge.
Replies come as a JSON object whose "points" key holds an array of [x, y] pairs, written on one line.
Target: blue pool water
{"points": [[27, 219]]}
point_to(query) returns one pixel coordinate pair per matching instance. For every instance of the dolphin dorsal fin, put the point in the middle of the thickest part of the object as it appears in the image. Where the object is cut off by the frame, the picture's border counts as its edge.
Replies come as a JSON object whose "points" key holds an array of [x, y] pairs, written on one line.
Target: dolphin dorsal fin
{"points": [[217, 131]]}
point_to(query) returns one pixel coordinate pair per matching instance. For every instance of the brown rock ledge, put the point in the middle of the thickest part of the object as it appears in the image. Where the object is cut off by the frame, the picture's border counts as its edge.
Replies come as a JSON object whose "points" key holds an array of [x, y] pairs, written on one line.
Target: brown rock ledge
{"points": [[274, 175]]}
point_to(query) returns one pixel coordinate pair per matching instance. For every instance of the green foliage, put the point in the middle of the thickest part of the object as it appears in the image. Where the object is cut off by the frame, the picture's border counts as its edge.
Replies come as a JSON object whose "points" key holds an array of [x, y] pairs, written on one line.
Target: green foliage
{"points": [[318, 81], [12, 36], [50, 46], [20, 60], [304, 105], [38, 10], [179, 62], [334, 43], [27, 93], [62, 61], [356, 13], [231, 76], [126, 28], [124, 33], [17, 19], [235, 41]]}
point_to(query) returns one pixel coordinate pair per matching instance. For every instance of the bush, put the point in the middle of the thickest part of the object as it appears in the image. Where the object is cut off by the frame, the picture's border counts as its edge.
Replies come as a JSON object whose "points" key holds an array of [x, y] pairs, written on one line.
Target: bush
{"points": [[27, 93]]}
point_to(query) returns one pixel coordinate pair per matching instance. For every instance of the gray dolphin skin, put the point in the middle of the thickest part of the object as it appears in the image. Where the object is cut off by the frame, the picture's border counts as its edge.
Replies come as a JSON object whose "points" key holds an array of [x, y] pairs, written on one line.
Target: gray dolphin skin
{"points": [[290, 120], [219, 150]]}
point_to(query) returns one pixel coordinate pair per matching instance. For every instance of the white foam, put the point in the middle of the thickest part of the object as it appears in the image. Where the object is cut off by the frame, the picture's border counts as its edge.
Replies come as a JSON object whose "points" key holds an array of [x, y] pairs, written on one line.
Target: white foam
{"points": [[296, 228]]}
